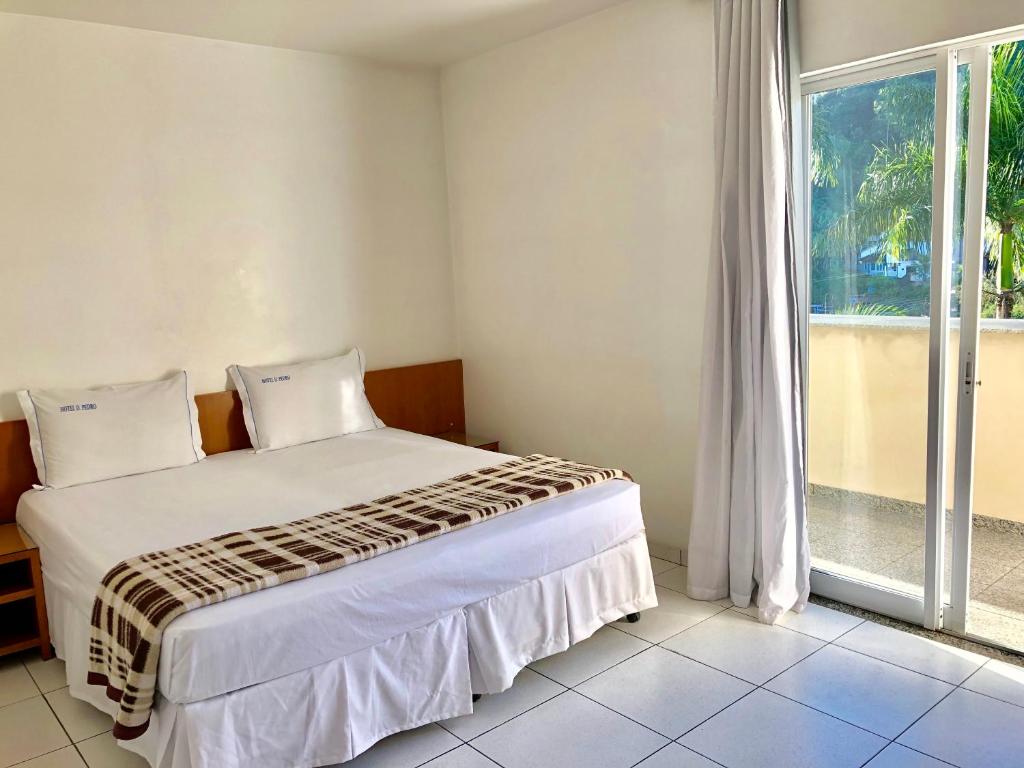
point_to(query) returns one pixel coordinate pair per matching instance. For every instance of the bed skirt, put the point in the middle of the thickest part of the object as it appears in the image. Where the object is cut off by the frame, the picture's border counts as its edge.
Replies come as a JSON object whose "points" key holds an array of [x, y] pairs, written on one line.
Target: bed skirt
{"points": [[334, 711]]}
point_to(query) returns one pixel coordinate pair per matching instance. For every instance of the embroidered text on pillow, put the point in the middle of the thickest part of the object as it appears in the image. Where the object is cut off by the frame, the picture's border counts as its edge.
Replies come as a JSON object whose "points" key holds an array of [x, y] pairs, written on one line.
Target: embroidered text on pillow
{"points": [[78, 407]]}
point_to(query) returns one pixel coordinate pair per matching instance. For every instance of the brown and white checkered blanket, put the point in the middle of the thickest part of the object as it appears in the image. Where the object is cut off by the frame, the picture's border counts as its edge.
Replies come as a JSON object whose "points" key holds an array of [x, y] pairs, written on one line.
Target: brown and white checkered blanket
{"points": [[140, 597]]}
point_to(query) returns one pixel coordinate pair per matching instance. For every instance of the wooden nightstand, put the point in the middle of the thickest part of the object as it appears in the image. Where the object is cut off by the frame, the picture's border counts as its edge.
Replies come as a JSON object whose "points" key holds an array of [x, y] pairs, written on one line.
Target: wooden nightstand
{"points": [[473, 441], [23, 621]]}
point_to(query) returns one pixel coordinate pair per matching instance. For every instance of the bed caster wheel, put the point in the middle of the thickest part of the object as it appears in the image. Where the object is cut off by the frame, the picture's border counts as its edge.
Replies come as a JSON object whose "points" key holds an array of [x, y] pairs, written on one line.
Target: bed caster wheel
{"points": [[477, 697], [632, 618]]}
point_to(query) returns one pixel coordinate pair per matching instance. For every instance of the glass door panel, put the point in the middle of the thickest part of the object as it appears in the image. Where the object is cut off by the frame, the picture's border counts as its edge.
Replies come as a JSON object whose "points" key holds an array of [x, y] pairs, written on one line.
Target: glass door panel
{"points": [[987, 596], [871, 188]]}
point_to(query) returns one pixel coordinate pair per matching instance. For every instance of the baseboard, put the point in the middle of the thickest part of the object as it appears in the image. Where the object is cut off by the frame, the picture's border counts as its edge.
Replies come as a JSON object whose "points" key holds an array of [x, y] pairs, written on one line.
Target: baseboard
{"points": [[666, 552]]}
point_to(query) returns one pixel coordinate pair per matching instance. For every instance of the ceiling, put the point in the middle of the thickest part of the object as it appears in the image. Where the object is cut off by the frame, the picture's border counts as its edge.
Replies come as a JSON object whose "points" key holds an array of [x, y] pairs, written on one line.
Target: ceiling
{"points": [[408, 32]]}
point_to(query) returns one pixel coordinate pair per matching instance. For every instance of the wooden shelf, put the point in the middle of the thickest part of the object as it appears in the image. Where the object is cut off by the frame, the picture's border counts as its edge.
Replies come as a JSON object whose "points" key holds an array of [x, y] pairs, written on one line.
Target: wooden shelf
{"points": [[15, 581], [15, 643], [18, 630], [23, 622], [10, 594]]}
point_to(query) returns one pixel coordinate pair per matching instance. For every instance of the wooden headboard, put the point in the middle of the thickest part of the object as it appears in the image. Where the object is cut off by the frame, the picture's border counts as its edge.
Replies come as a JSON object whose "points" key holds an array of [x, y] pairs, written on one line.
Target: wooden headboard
{"points": [[425, 398]]}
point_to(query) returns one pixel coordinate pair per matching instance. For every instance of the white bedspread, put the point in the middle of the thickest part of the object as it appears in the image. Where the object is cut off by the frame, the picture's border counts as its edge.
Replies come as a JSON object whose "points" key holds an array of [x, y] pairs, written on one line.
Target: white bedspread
{"points": [[83, 531]]}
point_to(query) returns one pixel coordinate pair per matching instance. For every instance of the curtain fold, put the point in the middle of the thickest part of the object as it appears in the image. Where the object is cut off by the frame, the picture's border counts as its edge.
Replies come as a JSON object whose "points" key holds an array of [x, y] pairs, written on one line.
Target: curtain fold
{"points": [[749, 526]]}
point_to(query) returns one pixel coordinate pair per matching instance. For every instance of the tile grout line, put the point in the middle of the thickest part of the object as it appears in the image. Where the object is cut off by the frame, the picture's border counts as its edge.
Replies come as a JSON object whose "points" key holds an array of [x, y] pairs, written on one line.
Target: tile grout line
{"points": [[676, 634], [714, 714], [708, 718], [763, 687], [737, 677], [919, 752], [36, 757], [504, 722], [485, 755], [574, 688], [620, 714], [57, 718], [880, 751], [689, 749], [647, 727], [742, 612], [648, 757], [71, 742], [991, 697], [442, 754], [39, 691], [799, 703], [613, 666], [826, 643], [21, 701], [756, 687], [530, 709], [900, 666], [916, 720], [921, 716], [888, 741]]}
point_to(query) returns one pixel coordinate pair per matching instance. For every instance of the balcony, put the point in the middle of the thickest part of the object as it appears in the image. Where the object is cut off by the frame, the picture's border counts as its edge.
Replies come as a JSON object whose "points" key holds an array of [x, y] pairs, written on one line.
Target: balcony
{"points": [[867, 422]]}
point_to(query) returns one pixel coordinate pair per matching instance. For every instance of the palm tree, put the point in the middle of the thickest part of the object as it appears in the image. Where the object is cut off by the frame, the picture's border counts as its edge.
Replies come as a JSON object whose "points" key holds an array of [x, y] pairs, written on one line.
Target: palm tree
{"points": [[1005, 200], [892, 208]]}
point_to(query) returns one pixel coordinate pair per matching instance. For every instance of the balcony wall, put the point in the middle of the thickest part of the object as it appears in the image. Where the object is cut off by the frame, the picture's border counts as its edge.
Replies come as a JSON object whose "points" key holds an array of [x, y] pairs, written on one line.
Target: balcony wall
{"points": [[868, 409]]}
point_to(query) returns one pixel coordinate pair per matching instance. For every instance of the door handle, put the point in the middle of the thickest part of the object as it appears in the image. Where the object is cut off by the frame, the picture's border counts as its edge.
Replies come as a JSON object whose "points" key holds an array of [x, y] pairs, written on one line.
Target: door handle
{"points": [[969, 380]]}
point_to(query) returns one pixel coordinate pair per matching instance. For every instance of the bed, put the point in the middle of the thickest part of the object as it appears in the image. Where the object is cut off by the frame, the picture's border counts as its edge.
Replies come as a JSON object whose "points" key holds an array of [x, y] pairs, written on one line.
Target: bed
{"points": [[314, 672]]}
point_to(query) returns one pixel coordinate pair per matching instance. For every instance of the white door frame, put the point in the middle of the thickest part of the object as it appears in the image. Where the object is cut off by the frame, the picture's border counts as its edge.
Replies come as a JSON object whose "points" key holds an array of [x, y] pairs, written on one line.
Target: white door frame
{"points": [[931, 611], [924, 610], [976, 180], [943, 182]]}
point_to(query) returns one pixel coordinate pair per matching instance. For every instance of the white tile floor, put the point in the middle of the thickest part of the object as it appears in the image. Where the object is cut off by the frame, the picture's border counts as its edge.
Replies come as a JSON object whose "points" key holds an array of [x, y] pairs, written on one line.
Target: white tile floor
{"points": [[692, 685]]}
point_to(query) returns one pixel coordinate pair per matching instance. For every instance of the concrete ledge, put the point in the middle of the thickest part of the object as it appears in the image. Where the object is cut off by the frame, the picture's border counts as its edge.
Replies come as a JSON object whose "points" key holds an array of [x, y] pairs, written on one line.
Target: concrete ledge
{"points": [[909, 323]]}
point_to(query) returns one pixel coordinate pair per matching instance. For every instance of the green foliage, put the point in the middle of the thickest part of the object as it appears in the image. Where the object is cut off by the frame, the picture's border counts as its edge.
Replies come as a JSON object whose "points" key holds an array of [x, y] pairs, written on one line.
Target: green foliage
{"points": [[1005, 202], [904, 106], [892, 204], [825, 155], [870, 310], [871, 170], [890, 207], [837, 289]]}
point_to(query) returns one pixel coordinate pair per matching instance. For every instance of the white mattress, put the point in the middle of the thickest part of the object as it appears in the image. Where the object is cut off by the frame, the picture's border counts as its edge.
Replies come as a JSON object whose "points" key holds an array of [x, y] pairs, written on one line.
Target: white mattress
{"points": [[83, 531]]}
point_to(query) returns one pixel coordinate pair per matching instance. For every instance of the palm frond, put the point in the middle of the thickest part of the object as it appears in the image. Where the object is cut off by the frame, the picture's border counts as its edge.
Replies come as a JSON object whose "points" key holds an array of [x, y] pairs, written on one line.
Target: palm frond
{"points": [[893, 206], [825, 155], [871, 310]]}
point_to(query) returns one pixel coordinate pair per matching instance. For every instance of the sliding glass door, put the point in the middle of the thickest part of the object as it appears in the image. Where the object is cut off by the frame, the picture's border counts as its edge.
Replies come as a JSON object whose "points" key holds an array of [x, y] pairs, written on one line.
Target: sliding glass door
{"points": [[901, 268], [871, 169], [986, 530]]}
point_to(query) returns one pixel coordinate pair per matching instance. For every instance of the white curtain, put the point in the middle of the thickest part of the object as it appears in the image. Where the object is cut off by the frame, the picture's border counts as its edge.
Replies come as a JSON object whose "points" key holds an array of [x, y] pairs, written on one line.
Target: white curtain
{"points": [[749, 528]]}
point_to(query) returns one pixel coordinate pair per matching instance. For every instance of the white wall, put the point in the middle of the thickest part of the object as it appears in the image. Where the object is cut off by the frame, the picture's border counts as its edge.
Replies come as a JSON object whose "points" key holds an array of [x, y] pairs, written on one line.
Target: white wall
{"points": [[168, 201], [580, 176], [834, 32]]}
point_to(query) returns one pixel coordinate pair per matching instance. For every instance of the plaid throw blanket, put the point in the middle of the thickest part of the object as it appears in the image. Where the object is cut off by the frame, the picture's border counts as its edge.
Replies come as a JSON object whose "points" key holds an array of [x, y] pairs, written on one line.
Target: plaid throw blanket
{"points": [[141, 596]]}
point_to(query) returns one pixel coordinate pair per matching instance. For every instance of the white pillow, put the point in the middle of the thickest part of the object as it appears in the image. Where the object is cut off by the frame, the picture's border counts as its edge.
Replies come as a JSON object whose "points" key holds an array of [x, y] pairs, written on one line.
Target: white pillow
{"points": [[84, 435], [293, 404]]}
